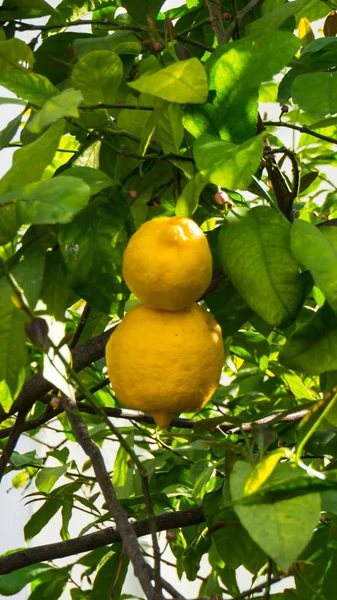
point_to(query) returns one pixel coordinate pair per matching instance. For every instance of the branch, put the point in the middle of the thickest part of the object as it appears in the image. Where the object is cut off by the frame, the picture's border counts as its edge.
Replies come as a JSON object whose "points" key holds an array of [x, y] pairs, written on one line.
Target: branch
{"points": [[261, 586], [20, 26], [15, 433], [91, 541], [286, 201], [117, 106], [82, 321], [38, 386], [241, 15], [301, 129], [217, 21], [117, 513]]}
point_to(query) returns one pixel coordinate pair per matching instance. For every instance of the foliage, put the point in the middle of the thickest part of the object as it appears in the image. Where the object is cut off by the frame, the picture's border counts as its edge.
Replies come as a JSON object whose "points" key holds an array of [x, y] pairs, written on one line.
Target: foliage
{"points": [[154, 113]]}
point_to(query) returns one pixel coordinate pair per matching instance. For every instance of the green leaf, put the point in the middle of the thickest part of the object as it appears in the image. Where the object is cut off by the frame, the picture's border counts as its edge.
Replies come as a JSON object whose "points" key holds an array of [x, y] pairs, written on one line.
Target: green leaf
{"points": [[12, 583], [64, 105], [111, 575], [48, 476], [236, 71], [98, 75], [41, 517], [188, 200], [233, 543], [95, 324], [55, 291], [25, 9], [94, 178], [28, 274], [121, 467], [262, 471], [312, 347], [142, 9], [228, 165], [229, 308], [92, 247], [27, 85], [30, 161], [120, 42], [314, 251], [170, 129], [255, 254], [316, 93], [281, 529], [15, 52], [52, 201], [7, 134], [182, 82], [274, 19]]}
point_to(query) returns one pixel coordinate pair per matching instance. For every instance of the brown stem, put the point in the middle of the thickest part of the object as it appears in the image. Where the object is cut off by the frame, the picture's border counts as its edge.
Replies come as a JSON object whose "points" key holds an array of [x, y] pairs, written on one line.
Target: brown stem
{"points": [[301, 129], [240, 16], [15, 433], [83, 319], [285, 201], [86, 543], [116, 511], [217, 21]]}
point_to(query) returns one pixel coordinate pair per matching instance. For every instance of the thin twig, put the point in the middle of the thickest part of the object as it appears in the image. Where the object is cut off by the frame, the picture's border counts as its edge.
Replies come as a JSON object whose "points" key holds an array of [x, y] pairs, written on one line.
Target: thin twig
{"points": [[86, 543], [83, 319], [240, 16], [260, 587], [288, 199], [192, 42], [104, 481], [21, 26], [117, 106], [15, 433], [301, 129]]}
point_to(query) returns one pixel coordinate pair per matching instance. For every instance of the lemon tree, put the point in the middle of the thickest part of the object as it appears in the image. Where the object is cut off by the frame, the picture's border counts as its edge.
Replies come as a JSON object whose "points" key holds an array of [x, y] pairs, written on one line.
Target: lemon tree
{"points": [[168, 328]]}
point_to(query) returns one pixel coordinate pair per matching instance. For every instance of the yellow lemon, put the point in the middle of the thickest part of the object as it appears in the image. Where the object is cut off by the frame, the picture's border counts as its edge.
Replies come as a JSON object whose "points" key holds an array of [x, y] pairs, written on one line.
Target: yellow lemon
{"points": [[167, 263], [164, 362]]}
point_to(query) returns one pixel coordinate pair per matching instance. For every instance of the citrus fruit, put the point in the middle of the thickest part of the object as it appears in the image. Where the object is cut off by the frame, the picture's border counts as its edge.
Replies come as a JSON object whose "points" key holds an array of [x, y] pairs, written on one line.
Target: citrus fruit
{"points": [[167, 263], [164, 362]]}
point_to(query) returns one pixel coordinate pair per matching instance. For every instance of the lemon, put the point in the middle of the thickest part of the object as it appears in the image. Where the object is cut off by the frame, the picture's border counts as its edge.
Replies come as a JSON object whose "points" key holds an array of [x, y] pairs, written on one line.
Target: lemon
{"points": [[164, 362], [168, 263]]}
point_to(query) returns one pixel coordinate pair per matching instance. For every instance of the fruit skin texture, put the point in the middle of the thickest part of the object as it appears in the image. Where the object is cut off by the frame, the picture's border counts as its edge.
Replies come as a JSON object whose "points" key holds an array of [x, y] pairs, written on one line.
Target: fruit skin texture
{"points": [[165, 361], [168, 263]]}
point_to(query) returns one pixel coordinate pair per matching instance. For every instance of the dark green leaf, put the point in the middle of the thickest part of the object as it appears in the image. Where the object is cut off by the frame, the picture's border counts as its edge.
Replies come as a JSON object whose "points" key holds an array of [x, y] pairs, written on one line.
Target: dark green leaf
{"points": [[312, 347], [7, 134], [92, 247], [110, 577], [12, 583], [143, 9], [28, 274]]}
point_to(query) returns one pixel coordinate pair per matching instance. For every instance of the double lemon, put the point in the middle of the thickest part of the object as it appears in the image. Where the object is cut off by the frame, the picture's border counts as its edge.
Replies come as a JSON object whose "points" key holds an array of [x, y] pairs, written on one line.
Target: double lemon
{"points": [[167, 354]]}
